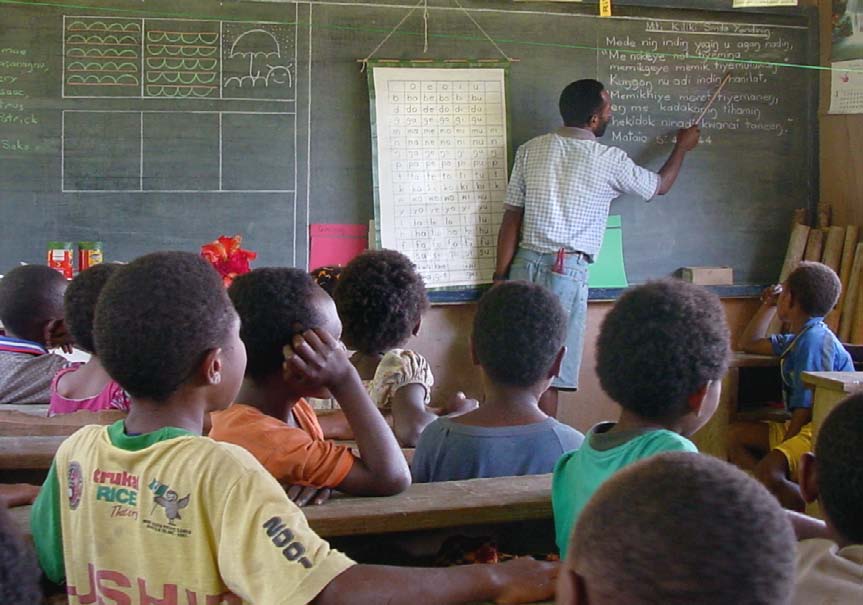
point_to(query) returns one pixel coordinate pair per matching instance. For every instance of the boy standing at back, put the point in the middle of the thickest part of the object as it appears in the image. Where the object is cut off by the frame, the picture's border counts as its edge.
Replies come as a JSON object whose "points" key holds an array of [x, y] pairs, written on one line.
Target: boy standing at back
{"points": [[830, 568], [517, 341], [661, 355], [773, 449], [147, 510], [678, 529], [31, 310]]}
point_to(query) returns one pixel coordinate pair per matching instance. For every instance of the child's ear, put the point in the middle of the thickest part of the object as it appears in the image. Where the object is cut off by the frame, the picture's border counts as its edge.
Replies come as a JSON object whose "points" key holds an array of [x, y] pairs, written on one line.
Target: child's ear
{"points": [[571, 588], [696, 399], [808, 477], [417, 327], [554, 370], [473, 356], [211, 367]]}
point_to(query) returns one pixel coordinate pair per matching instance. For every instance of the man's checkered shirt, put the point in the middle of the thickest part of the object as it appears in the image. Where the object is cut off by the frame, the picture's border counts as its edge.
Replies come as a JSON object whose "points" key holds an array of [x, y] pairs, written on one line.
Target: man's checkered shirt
{"points": [[566, 181]]}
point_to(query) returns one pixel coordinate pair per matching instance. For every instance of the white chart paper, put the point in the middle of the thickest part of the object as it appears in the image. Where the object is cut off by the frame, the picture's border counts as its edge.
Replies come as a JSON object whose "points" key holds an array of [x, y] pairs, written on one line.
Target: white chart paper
{"points": [[442, 168]]}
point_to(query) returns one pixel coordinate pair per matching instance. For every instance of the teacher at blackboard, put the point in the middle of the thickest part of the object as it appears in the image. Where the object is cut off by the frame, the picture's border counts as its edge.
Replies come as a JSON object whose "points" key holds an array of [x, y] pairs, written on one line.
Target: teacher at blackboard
{"points": [[556, 209]]}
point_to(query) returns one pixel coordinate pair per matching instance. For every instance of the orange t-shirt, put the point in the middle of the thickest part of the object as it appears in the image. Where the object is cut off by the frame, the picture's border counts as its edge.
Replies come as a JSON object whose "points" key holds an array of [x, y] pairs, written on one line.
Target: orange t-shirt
{"points": [[292, 455]]}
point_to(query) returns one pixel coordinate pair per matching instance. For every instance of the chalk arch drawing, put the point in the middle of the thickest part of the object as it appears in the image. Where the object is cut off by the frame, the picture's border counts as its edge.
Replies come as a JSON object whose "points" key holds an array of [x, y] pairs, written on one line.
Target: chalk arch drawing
{"points": [[259, 75]]}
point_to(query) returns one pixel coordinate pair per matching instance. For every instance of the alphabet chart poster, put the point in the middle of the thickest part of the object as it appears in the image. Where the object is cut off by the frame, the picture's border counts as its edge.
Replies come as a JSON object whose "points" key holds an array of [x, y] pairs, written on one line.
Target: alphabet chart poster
{"points": [[440, 143]]}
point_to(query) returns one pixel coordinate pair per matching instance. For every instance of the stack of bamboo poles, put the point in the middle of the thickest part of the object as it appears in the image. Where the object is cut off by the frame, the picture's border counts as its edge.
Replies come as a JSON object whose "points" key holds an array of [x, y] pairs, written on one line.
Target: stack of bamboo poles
{"points": [[838, 248]]}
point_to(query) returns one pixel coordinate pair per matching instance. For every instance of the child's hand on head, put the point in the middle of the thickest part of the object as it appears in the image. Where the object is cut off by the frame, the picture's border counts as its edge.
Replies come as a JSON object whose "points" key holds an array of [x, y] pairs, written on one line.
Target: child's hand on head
{"points": [[770, 295], [316, 359], [59, 337]]}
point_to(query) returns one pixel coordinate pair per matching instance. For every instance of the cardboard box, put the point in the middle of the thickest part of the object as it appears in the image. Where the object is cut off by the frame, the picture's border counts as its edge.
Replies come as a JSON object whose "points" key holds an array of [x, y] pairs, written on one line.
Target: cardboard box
{"points": [[708, 276]]}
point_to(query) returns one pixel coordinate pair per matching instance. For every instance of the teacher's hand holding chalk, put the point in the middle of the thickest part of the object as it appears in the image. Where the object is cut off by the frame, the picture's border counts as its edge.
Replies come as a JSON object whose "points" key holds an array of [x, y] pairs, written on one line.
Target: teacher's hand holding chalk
{"points": [[687, 138]]}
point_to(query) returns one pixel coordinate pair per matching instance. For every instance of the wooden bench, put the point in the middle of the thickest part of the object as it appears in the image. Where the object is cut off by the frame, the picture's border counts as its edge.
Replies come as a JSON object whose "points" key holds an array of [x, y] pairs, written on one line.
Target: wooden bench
{"points": [[14, 423], [713, 437], [421, 506], [28, 453]]}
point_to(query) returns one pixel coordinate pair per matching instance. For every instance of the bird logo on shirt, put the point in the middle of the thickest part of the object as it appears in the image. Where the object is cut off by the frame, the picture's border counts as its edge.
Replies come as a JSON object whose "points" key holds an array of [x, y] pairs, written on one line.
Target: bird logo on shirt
{"points": [[172, 504]]}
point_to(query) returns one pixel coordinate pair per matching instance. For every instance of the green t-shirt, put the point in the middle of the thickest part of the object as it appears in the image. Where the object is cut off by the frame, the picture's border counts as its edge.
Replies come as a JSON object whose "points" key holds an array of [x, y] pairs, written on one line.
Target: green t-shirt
{"points": [[578, 474]]}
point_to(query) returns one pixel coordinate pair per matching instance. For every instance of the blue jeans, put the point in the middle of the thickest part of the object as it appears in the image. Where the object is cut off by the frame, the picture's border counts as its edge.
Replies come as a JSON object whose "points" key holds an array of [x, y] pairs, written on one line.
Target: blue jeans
{"points": [[571, 288]]}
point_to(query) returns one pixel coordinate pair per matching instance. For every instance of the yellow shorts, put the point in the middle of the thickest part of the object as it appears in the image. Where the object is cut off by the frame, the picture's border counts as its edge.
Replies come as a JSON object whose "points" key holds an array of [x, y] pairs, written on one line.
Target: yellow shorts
{"points": [[792, 448]]}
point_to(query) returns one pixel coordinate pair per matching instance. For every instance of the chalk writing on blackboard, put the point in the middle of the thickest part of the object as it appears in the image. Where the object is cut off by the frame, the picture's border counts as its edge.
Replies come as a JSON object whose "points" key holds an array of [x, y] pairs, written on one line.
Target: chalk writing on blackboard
{"points": [[181, 59], [178, 58], [101, 57], [258, 61]]}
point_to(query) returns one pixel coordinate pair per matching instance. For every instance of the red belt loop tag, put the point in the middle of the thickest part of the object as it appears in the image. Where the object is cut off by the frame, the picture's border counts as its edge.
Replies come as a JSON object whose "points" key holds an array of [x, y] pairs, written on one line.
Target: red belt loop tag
{"points": [[558, 264]]}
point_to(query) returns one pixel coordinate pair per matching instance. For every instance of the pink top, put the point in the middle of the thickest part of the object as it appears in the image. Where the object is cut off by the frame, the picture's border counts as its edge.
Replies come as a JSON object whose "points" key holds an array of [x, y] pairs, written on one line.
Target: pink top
{"points": [[112, 397]]}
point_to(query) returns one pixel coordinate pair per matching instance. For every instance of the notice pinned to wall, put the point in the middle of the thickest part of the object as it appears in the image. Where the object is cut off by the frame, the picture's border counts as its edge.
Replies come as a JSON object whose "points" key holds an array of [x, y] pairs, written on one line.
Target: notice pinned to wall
{"points": [[846, 86]]}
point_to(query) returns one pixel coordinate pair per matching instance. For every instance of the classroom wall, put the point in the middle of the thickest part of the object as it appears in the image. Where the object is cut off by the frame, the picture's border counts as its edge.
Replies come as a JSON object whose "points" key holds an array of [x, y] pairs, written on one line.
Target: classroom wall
{"points": [[841, 145], [443, 340]]}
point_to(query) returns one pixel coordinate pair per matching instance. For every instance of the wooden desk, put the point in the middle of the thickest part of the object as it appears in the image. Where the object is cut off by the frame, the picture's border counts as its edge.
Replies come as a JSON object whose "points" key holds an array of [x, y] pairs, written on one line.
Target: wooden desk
{"points": [[713, 437], [421, 506], [830, 388], [435, 506]]}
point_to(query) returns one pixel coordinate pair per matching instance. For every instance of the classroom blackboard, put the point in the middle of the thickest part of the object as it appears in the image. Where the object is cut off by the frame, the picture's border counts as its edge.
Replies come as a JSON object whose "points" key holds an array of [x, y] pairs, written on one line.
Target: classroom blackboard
{"points": [[253, 118]]}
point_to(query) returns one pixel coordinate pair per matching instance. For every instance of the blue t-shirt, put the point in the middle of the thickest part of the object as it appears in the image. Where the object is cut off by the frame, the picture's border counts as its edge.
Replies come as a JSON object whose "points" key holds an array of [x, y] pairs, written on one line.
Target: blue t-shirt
{"points": [[814, 349], [449, 451], [579, 474]]}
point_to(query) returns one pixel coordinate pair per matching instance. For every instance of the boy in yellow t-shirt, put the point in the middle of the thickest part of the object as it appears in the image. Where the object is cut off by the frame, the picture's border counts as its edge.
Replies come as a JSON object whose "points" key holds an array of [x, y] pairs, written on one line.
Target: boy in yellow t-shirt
{"points": [[147, 510]]}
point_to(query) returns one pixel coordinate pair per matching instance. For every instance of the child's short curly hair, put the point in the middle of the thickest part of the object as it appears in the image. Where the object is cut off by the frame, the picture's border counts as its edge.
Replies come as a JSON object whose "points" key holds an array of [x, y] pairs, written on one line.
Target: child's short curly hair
{"points": [[274, 304], [518, 330], [19, 572], [155, 320], [680, 528], [815, 287], [660, 343], [839, 460], [79, 303], [30, 294], [380, 298]]}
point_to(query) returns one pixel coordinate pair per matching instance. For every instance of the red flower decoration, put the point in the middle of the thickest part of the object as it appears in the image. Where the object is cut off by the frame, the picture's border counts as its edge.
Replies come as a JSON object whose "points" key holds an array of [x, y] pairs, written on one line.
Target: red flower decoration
{"points": [[229, 259]]}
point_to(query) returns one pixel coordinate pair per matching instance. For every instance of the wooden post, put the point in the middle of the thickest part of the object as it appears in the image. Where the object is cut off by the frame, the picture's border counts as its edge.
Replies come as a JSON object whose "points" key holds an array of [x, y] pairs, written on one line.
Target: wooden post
{"points": [[832, 254], [823, 215], [848, 247], [814, 245], [799, 218], [850, 302]]}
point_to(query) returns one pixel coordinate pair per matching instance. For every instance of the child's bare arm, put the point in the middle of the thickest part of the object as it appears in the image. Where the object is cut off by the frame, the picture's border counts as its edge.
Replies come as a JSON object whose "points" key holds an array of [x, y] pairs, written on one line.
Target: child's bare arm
{"points": [[518, 581], [382, 470], [754, 338], [410, 414], [806, 527]]}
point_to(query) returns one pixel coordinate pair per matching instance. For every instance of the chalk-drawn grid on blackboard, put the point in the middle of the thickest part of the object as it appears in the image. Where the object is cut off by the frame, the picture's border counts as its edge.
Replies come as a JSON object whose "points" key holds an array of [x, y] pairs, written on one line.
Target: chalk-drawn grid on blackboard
{"points": [[259, 61], [441, 136], [181, 59], [101, 57], [120, 151]]}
